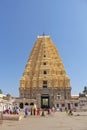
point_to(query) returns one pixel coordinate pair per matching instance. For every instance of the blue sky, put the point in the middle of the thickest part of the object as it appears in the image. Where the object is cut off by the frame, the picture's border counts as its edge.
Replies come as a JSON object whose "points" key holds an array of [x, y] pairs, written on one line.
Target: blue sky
{"points": [[21, 21]]}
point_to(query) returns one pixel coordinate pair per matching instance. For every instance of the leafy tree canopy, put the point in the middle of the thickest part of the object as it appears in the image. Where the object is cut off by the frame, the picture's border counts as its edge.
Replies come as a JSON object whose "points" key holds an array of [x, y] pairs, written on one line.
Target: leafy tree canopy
{"points": [[85, 90], [1, 91]]}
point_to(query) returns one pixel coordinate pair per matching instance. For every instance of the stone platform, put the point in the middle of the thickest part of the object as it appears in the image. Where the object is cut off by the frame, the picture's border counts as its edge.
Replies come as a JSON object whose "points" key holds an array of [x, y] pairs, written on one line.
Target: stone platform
{"points": [[12, 117]]}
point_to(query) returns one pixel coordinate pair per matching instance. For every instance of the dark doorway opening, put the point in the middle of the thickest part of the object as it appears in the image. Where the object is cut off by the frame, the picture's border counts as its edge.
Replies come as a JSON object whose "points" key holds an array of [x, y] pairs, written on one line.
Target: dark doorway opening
{"points": [[45, 101], [26, 104], [21, 105], [68, 105]]}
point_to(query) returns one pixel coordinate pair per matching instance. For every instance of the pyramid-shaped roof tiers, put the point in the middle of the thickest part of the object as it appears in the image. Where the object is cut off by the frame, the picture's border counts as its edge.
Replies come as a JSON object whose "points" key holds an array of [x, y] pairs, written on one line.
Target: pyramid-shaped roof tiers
{"points": [[44, 66]]}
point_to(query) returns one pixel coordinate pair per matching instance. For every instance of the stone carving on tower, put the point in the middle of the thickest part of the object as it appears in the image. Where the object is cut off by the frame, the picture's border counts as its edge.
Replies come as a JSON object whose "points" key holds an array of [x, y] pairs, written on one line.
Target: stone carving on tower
{"points": [[44, 77]]}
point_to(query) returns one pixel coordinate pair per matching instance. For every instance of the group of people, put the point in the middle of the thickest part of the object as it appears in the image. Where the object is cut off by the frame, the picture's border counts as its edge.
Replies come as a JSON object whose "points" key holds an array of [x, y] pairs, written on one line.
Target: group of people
{"points": [[38, 111], [69, 111], [32, 111], [12, 110]]}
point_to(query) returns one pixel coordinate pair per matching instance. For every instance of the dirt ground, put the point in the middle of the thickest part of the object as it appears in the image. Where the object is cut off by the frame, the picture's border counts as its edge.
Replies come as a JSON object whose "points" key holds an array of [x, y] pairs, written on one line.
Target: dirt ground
{"points": [[57, 121]]}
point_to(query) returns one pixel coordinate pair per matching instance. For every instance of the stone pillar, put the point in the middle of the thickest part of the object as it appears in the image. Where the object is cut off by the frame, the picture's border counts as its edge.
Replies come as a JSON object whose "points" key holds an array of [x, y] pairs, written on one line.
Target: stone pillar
{"points": [[38, 98]]}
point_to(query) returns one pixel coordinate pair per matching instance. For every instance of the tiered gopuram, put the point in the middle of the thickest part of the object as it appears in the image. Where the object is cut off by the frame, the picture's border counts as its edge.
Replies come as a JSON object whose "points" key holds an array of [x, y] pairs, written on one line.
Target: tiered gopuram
{"points": [[44, 77]]}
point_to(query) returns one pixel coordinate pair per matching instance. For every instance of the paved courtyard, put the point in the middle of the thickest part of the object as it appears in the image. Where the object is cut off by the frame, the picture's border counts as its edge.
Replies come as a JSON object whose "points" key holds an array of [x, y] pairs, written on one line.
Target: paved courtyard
{"points": [[58, 121]]}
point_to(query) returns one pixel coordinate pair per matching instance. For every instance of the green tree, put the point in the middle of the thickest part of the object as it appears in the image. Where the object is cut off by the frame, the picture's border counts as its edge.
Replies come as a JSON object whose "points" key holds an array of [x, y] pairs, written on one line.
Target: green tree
{"points": [[1, 91], [85, 90]]}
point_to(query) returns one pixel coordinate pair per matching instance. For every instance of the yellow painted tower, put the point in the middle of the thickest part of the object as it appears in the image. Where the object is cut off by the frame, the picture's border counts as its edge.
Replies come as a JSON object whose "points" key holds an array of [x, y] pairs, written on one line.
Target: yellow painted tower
{"points": [[44, 77]]}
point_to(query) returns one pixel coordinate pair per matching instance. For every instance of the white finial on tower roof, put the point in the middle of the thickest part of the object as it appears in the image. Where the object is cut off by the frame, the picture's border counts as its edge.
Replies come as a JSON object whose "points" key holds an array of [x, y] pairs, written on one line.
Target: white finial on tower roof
{"points": [[43, 36]]}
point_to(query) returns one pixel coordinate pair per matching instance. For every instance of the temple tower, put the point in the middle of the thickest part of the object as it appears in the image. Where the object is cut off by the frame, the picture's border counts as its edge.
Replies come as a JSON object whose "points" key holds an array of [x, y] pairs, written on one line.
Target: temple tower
{"points": [[44, 77]]}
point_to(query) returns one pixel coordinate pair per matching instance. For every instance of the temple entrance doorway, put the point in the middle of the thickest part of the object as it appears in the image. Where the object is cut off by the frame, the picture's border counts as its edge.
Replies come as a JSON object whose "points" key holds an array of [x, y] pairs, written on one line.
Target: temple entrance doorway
{"points": [[45, 101]]}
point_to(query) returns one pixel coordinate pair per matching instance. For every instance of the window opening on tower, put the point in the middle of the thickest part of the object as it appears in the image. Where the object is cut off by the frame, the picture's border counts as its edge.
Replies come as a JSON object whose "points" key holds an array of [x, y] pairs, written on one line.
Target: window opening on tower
{"points": [[44, 55], [45, 72], [44, 84], [44, 63]]}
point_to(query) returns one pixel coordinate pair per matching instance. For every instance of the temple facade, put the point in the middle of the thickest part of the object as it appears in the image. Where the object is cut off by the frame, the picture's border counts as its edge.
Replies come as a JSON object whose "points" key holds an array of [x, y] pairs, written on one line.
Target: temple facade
{"points": [[44, 78]]}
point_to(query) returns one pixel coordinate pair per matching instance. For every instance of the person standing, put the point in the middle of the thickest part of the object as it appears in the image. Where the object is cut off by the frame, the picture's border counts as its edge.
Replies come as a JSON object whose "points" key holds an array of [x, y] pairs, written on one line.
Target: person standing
{"points": [[26, 111]]}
